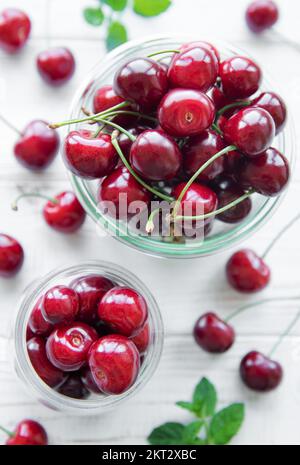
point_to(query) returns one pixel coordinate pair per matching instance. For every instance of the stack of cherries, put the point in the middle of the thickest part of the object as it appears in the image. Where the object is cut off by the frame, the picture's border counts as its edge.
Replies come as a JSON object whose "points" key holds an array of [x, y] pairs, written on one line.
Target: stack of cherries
{"points": [[191, 130], [88, 337]]}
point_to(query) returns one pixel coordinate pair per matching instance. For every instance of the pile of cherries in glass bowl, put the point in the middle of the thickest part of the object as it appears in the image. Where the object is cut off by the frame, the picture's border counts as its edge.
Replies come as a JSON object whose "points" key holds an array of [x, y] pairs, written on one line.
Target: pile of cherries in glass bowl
{"points": [[185, 128], [88, 337]]}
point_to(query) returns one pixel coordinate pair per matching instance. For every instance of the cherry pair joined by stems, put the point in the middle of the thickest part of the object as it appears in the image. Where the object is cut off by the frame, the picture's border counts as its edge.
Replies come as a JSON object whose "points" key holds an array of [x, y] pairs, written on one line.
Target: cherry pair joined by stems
{"points": [[27, 433]]}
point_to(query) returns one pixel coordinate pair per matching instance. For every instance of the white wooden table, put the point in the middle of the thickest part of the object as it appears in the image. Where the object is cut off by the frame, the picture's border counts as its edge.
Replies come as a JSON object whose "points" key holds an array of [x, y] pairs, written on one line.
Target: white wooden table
{"points": [[184, 289]]}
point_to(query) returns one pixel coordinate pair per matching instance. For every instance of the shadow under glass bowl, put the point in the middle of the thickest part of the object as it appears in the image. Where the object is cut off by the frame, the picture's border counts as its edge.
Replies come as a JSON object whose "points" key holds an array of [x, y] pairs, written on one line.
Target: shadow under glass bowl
{"points": [[223, 235]]}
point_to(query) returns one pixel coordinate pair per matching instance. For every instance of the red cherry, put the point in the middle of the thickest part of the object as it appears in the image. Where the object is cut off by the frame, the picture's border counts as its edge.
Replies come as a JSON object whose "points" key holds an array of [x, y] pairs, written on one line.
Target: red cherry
{"points": [[274, 104], [90, 290], [193, 68], [37, 323], [28, 433], [198, 150], [11, 256], [73, 387], [43, 367], [60, 305], [261, 15], [240, 77], [155, 156], [213, 334], [247, 272], [89, 157], [68, 346], [56, 65], [143, 81], [198, 199], [124, 310], [183, 112], [66, 216], [37, 147], [15, 28], [120, 188], [267, 174], [252, 130], [88, 380], [259, 372], [29, 334], [114, 362], [142, 339], [203, 44], [125, 143], [219, 99], [106, 98], [227, 191]]}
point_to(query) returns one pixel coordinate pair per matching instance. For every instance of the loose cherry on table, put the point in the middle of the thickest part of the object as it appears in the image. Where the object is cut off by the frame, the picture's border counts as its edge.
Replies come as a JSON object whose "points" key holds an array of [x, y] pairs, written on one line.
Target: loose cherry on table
{"points": [[37, 323], [260, 372], [11, 256], [213, 334], [73, 387], [90, 289], [228, 190], [67, 346], [60, 305], [27, 433], [240, 77], [247, 272], [261, 15], [15, 28], [124, 310], [56, 65], [114, 361]]}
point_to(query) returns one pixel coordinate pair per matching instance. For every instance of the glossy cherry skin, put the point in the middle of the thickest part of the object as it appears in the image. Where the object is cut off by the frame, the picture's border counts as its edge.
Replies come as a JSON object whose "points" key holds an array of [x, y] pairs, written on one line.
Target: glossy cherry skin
{"points": [[261, 15], [252, 130], [268, 174], [203, 44], [228, 190], [198, 150], [50, 374], [247, 272], [198, 199], [274, 104], [88, 380], [142, 81], [60, 305], [193, 68], [184, 112], [89, 157], [118, 183], [90, 289], [73, 387], [68, 346], [37, 147], [56, 65], [213, 334], [240, 77], [37, 323], [259, 372], [124, 310], [125, 143], [66, 216], [106, 98], [155, 156], [114, 362], [142, 339], [11, 256], [219, 99], [15, 28], [28, 433]]}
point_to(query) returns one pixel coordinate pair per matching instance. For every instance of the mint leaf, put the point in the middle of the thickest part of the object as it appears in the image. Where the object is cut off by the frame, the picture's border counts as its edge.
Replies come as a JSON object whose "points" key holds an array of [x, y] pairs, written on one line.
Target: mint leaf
{"points": [[116, 5], [150, 7], [93, 16], [205, 398], [191, 432], [167, 434], [116, 35], [186, 405], [226, 423]]}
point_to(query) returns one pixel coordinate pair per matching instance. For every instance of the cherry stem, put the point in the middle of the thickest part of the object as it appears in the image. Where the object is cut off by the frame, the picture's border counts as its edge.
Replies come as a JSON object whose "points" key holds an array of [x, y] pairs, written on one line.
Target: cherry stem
{"points": [[217, 129], [284, 334], [280, 234], [115, 143], [150, 223], [161, 52], [242, 103], [285, 39], [11, 126], [9, 433], [260, 302], [198, 172], [14, 205], [119, 128], [217, 212], [133, 113]]}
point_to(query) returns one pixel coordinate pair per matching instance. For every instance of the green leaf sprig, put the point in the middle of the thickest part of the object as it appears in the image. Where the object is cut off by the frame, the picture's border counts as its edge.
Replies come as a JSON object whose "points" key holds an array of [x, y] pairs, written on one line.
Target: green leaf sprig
{"points": [[210, 428], [108, 13]]}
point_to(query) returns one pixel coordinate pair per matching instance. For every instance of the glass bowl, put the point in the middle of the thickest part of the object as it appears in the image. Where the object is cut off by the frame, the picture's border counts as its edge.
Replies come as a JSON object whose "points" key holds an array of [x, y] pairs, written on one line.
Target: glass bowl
{"points": [[95, 404], [223, 235]]}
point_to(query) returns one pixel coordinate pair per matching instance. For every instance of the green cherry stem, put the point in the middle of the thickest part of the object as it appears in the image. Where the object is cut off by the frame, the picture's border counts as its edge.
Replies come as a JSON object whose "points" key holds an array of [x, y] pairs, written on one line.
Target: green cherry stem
{"points": [[10, 126], [115, 143], [198, 172], [9, 433], [119, 128], [150, 223], [280, 234], [284, 334], [14, 205], [133, 113], [242, 103], [161, 52], [217, 129]]}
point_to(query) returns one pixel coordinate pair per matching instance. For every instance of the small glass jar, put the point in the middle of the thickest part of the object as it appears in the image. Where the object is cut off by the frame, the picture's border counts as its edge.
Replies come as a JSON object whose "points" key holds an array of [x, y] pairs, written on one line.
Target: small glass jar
{"points": [[96, 404], [223, 235]]}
